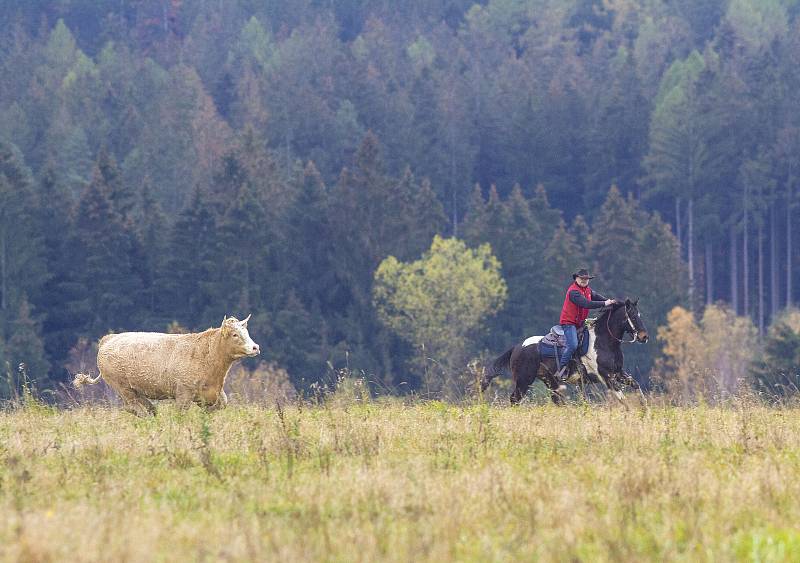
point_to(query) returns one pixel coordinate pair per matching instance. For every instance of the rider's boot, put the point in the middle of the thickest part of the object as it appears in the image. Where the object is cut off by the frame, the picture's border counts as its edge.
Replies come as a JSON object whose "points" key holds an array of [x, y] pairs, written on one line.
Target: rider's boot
{"points": [[563, 374]]}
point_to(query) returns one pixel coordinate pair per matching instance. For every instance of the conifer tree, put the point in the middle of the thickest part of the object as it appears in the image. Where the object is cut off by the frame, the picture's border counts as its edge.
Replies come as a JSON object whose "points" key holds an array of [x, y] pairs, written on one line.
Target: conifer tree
{"points": [[361, 220], [299, 340], [152, 232], [242, 254], [122, 196], [561, 258], [615, 228], [311, 258], [22, 264], [63, 301], [193, 249], [517, 241], [475, 223], [26, 346], [106, 254]]}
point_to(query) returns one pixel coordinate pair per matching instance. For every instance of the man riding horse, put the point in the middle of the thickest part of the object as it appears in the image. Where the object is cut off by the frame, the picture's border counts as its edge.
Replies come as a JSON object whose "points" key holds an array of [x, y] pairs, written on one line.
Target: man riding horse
{"points": [[577, 302]]}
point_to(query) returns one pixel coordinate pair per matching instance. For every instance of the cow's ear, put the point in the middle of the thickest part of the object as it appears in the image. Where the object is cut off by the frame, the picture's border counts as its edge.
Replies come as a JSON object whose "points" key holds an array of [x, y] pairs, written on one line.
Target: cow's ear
{"points": [[627, 301], [636, 301]]}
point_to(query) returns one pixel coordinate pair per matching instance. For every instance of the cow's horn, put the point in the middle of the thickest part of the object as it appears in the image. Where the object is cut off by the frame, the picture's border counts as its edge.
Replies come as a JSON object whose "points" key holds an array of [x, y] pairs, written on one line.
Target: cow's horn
{"points": [[244, 322]]}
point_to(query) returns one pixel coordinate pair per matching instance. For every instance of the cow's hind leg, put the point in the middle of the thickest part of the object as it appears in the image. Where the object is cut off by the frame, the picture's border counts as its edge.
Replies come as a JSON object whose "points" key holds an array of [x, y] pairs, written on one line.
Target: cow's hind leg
{"points": [[135, 403], [145, 403]]}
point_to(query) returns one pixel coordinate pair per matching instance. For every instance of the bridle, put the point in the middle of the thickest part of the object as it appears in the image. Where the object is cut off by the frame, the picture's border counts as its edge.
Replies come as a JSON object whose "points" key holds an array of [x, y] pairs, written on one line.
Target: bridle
{"points": [[634, 333]]}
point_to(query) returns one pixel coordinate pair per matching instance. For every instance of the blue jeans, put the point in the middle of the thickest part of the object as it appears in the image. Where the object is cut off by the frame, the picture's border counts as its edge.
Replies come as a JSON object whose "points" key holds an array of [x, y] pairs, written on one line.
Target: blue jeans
{"points": [[571, 334]]}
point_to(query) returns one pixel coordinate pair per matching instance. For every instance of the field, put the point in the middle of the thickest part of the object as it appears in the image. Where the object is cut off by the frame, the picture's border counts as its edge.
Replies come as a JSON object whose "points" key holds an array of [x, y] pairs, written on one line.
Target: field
{"points": [[350, 481]]}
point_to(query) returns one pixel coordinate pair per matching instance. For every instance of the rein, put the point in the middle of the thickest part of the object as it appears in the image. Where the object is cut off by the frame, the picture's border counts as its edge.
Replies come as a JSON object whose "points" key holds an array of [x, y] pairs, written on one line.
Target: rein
{"points": [[634, 332]]}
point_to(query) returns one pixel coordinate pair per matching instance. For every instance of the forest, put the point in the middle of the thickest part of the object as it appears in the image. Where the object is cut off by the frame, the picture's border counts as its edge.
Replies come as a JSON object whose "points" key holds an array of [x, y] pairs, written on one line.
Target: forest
{"points": [[164, 163]]}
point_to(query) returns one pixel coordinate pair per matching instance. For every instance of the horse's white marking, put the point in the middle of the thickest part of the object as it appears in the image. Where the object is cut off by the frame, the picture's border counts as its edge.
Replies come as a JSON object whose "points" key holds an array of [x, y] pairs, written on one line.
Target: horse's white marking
{"points": [[590, 359], [532, 340]]}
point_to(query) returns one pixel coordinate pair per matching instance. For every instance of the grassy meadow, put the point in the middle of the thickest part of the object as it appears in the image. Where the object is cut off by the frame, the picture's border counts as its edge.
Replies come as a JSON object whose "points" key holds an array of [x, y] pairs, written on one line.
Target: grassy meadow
{"points": [[370, 481]]}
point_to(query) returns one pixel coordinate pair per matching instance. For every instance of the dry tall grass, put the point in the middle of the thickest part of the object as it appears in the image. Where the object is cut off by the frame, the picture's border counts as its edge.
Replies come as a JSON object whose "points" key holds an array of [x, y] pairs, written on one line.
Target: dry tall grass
{"points": [[385, 481]]}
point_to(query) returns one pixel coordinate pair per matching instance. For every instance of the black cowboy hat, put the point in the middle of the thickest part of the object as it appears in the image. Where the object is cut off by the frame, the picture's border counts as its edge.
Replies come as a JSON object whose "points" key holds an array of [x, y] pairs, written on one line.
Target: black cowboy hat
{"points": [[582, 273]]}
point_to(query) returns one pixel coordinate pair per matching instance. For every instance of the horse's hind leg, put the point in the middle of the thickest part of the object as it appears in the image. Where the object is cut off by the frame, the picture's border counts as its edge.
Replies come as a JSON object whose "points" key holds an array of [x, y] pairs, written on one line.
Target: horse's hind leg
{"points": [[556, 388], [524, 375], [519, 391]]}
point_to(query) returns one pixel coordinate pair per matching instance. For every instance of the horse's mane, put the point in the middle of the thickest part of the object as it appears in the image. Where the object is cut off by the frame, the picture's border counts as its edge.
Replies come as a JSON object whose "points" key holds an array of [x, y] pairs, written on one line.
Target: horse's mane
{"points": [[606, 311]]}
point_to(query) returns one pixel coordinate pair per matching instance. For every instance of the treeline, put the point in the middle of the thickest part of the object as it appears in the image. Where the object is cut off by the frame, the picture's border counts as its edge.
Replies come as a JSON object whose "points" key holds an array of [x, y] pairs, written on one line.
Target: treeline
{"points": [[176, 161], [111, 259]]}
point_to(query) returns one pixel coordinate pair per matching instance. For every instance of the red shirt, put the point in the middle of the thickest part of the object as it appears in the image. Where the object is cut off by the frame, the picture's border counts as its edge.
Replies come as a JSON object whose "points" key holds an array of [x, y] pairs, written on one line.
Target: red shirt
{"points": [[571, 314]]}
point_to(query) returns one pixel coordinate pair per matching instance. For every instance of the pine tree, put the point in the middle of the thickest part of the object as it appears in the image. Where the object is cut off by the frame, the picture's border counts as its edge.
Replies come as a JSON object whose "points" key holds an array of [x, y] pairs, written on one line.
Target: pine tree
{"points": [[152, 232], [22, 261], [106, 253], [614, 229], [243, 253], [361, 220], [299, 340], [310, 257], [517, 241], [476, 222], [193, 249], [122, 196], [25, 345], [418, 217], [64, 299], [561, 258]]}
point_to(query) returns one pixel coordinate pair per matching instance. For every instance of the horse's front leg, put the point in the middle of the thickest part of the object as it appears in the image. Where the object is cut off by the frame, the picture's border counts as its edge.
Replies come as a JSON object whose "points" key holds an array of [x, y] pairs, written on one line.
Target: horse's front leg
{"points": [[626, 378], [608, 377]]}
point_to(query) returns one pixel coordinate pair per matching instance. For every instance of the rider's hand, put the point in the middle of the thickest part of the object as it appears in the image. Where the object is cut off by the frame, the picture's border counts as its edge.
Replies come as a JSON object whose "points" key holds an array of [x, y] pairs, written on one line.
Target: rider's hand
{"points": [[609, 302]]}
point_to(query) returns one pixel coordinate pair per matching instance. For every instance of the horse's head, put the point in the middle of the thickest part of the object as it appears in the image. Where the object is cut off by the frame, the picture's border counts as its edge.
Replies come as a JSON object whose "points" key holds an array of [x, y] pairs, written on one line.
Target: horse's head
{"points": [[633, 318], [624, 317]]}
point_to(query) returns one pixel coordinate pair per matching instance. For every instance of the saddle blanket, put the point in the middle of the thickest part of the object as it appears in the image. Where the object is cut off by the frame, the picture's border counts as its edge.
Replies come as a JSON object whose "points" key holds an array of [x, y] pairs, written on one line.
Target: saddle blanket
{"points": [[549, 351]]}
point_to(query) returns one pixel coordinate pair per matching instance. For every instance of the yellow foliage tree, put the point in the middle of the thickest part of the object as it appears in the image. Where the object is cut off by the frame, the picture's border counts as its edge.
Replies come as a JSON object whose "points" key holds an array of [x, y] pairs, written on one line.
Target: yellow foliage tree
{"points": [[708, 359], [437, 301]]}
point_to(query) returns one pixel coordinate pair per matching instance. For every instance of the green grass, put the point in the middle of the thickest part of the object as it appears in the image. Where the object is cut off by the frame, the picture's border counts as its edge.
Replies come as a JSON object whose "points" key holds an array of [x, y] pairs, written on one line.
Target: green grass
{"points": [[431, 481]]}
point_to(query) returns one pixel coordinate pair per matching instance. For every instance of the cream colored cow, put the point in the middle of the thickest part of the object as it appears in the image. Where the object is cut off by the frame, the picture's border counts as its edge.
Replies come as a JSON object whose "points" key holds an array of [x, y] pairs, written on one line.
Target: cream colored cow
{"points": [[141, 366]]}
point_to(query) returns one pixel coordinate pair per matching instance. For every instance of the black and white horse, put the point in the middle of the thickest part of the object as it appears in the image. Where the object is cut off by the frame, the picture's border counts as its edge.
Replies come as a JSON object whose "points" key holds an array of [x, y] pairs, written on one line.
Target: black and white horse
{"points": [[603, 363]]}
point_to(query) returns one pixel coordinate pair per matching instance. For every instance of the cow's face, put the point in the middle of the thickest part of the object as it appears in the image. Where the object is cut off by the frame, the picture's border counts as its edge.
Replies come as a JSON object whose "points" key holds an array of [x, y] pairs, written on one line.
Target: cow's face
{"points": [[235, 334]]}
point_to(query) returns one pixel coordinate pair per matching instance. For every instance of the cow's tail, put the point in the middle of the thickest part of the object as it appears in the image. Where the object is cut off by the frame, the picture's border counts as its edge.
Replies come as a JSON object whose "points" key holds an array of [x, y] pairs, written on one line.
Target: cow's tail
{"points": [[500, 363], [82, 379]]}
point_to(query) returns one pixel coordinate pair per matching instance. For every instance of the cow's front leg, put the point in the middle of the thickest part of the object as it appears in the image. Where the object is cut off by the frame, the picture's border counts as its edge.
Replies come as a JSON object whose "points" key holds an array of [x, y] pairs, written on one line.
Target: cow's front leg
{"points": [[220, 403], [183, 396]]}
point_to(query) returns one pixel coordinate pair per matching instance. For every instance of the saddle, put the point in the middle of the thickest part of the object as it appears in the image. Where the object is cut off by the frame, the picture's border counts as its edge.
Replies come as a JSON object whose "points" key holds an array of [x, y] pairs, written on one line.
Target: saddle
{"points": [[555, 337], [552, 343]]}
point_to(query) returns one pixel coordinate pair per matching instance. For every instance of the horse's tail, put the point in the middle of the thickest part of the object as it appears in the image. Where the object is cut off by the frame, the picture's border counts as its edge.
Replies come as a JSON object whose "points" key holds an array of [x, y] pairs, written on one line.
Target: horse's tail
{"points": [[500, 363]]}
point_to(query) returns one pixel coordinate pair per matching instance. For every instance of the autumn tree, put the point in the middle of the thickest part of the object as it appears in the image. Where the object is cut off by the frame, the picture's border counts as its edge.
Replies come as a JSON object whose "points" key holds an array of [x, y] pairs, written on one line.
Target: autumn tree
{"points": [[699, 358]]}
